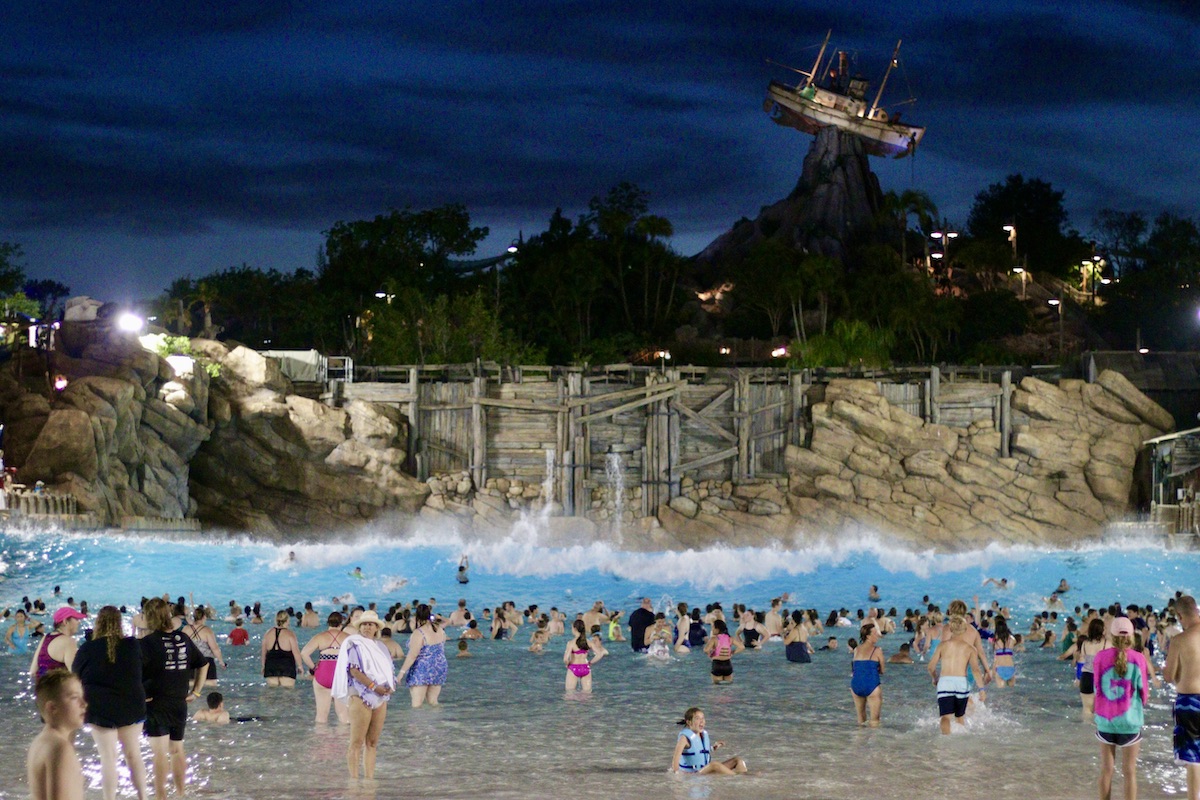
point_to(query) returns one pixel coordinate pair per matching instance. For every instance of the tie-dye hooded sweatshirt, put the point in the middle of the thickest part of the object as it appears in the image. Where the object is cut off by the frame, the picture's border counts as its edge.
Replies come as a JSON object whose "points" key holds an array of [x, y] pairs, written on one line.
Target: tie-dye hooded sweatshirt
{"points": [[1121, 699]]}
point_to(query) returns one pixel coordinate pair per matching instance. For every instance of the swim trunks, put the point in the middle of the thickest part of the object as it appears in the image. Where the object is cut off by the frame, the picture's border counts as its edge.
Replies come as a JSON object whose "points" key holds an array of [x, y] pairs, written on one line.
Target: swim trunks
{"points": [[952, 696], [1187, 729], [1087, 683], [722, 668]]}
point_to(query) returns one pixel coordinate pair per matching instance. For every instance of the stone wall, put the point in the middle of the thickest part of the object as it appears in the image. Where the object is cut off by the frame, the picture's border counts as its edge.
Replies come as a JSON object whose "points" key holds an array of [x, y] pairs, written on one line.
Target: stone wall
{"points": [[1070, 473]]}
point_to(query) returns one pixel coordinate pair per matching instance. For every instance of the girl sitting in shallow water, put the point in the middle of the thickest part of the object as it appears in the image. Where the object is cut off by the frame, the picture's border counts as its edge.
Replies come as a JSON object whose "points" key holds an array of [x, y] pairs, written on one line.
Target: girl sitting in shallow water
{"points": [[694, 749]]}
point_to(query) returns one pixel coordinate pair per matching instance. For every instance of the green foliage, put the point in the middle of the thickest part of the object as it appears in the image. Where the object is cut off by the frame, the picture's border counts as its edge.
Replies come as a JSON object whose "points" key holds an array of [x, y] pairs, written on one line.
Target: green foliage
{"points": [[446, 330], [1038, 212], [182, 346], [18, 303], [849, 343]]}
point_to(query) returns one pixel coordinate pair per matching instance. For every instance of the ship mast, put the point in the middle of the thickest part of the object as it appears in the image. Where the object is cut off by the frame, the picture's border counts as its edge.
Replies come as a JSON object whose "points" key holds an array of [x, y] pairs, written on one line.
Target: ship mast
{"points": [[883, 83], [812, 76]]}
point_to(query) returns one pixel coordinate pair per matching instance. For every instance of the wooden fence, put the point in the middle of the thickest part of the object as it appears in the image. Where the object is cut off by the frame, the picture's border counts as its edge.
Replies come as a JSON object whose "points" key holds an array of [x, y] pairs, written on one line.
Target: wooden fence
{"points": [[560, 425]]}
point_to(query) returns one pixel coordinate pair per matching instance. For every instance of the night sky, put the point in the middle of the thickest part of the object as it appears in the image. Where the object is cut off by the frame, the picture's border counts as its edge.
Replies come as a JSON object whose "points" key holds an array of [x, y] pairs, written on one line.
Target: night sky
{"points": [[141, 142]]}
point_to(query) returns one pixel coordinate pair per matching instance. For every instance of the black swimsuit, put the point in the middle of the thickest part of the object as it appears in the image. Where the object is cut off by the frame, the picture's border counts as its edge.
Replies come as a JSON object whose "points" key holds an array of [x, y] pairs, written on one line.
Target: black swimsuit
{"points": [[280, 663]]}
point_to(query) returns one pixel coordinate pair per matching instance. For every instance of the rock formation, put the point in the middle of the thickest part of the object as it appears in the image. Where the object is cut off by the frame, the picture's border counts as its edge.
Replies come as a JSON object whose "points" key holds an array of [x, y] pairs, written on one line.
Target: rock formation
{"points": [[138, 435], [277, 461], [837, 194], [118, 437], [874, 467]]}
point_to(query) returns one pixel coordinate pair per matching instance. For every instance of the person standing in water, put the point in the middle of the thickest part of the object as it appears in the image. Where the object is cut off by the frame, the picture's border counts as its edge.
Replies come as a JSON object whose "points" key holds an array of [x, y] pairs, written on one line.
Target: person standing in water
{"points": [[694, 749], [955, 655], [867, 670], [363, 678], [52, 766], [326, 644], [425, 668], [1122, 692], [110, 669], [1183, 670], [463, 567]]}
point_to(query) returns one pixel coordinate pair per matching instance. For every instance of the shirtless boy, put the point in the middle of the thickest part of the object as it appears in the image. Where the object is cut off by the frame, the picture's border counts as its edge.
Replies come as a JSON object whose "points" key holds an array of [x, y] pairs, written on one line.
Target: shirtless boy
{"points": [[955, 654], [1183, 670], [53, 766], [215, 712]]}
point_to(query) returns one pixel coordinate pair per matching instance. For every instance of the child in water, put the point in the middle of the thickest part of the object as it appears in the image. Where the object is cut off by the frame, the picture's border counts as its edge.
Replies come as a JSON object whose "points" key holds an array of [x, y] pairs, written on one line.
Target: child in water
{"points": [[694, 749]]}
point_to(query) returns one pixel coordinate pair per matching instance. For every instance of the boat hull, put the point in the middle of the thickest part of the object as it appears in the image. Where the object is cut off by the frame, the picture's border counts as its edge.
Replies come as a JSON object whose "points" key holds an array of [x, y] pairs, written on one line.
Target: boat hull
{"points": [[880, 137]]}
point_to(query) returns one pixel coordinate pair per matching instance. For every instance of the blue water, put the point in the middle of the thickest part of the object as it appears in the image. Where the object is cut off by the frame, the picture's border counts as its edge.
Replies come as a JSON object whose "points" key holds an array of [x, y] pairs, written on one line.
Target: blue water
{"points": [[505, 722]]}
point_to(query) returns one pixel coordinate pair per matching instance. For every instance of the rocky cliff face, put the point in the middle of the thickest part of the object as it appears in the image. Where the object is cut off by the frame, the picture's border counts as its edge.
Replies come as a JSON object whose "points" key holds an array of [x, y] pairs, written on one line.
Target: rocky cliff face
{"points": [[836, 195], [278, 462], [119, 437], [876, 468], [137, 435]]}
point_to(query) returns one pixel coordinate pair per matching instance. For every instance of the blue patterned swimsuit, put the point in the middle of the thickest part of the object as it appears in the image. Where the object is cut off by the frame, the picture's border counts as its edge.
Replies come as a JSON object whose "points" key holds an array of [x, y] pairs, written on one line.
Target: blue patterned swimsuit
{"points": [[430, 667]]}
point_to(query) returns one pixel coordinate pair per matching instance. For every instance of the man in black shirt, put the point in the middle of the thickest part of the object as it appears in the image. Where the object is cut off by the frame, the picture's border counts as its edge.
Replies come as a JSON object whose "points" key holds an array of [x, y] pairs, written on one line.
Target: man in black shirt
{"points": [[639, 621], [173, 672]]}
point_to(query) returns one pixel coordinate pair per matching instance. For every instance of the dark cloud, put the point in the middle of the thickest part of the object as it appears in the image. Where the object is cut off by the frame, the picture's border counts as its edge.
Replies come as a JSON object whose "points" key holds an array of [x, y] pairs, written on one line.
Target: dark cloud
{"points": [[198, 130]]}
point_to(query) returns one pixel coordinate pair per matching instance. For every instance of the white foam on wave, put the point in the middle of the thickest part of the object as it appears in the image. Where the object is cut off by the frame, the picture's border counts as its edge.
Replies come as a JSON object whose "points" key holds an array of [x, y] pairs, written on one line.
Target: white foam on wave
{"points": [[521, 553]]}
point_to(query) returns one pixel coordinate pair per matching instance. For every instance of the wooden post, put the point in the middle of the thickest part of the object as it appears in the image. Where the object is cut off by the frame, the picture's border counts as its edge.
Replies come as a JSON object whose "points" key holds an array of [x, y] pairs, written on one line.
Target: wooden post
{"points": [[415, 454], [567, 488], [935, 379], [743, 421], [672, 431], [1006, 414], [478, 464], [647, 509]]}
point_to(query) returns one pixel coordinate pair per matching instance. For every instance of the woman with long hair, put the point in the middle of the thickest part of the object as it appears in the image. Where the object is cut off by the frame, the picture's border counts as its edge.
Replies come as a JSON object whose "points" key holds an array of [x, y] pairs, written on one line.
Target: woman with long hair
{"points": [[1086, 649], [110, 669], [425, 668], [1122, 692], [579, 671], [206, 641], [720, 648], [1003, 665]]}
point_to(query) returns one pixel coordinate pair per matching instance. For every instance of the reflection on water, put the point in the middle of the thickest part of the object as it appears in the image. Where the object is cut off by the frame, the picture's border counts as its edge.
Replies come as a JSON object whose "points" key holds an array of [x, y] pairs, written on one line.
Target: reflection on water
{"points": [[506, 725]]}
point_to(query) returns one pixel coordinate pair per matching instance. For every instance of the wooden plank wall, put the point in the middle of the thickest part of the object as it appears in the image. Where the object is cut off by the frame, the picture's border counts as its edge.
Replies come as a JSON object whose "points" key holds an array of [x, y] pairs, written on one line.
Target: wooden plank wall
{"points": [[706, 425]]}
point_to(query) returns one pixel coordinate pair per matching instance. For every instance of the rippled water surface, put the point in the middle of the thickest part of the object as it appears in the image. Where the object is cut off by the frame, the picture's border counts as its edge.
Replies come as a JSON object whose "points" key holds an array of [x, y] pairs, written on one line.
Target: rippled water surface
{"points": [[505, 728]]}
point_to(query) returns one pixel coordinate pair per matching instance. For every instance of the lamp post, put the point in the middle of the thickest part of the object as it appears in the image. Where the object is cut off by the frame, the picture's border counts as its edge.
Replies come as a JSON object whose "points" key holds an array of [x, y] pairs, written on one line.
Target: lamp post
{"points": [[1057, 302], [1024, 277], [944, 236], [1012, 237]]}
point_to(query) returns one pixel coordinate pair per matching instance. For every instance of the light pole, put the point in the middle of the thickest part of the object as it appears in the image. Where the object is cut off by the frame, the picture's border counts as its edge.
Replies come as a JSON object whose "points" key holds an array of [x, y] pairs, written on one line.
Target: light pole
{"points": [[1012, 237], [1024, 277], [1057, 302], [944, 236]]}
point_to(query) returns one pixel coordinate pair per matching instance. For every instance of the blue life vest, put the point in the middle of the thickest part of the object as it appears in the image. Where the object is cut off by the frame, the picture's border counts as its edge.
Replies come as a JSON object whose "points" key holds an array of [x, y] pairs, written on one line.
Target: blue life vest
{"points": [[696, 755]]}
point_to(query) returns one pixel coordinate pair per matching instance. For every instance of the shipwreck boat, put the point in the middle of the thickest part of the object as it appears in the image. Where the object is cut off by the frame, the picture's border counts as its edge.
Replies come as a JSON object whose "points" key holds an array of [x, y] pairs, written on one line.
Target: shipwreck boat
{"points": [[842, 103]]}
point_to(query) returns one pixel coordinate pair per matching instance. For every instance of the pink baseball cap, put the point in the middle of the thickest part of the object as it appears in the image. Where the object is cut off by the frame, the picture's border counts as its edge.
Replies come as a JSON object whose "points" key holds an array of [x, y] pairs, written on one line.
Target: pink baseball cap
{"points": [[1121, 626], [65, 613]]}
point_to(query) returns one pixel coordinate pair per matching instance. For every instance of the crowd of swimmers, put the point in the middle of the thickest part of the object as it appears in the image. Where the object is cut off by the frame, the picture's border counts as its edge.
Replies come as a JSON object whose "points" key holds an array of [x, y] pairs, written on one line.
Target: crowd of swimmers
{"points": [[124, 686]]}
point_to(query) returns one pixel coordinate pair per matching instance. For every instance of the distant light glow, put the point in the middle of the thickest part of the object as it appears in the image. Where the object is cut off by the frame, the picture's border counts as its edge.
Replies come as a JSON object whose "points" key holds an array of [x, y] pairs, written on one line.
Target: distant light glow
{"points": [[1143, 350], [665, 355], [724, 351], [1054, 301], [130, 322], [779, 352]]}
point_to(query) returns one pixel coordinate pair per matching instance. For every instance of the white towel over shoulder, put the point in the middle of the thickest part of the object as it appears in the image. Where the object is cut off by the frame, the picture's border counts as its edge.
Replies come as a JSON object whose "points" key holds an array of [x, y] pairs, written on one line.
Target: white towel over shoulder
{"points": [[376, 663]]}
